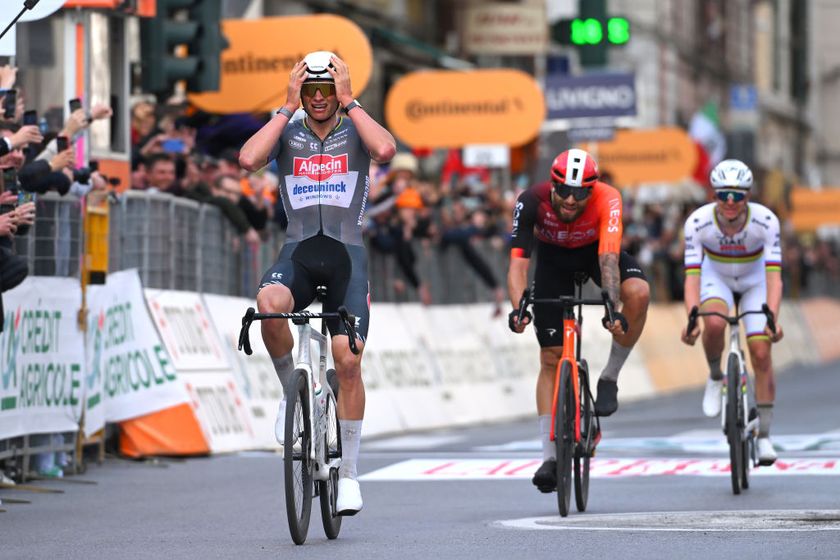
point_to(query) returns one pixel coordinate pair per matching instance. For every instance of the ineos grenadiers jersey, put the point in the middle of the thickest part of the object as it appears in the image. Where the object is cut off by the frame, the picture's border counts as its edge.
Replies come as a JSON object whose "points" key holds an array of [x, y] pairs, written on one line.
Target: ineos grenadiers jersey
{"points": [[323, 185], [757, 246]]}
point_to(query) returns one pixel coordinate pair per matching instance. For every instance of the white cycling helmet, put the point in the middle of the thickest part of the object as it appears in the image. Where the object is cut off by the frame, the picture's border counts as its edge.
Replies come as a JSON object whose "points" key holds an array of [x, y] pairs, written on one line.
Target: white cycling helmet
{"points": [[316, 66], [731, 173]]}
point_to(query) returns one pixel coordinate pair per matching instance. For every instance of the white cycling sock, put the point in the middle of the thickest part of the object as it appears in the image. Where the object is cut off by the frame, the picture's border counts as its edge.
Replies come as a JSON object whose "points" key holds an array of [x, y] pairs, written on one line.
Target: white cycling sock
{"points": [[765, 417], [351, 437], [284, 366], [618, 355], [548, 448]]}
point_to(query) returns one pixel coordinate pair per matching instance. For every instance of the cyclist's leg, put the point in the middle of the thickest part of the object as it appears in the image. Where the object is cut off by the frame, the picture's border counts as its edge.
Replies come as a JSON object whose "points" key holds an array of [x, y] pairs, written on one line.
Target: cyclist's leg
{"points": [[282, 287], [550, 281], [348, 286], [761, 358], [715, 295], [635, 297]]}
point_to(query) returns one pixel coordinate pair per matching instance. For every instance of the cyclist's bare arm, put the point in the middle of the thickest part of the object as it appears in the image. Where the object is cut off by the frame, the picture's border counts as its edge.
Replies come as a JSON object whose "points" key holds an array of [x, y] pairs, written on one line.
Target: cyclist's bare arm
{"points": [[255, 153], [611, 277], [691, 295], [774, 301], [517, 279], [378, 141]]}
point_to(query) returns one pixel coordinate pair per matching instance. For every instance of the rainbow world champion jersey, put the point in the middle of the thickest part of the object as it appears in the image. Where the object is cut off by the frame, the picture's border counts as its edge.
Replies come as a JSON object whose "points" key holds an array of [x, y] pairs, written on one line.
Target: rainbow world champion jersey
{"points": [[756, 246]]}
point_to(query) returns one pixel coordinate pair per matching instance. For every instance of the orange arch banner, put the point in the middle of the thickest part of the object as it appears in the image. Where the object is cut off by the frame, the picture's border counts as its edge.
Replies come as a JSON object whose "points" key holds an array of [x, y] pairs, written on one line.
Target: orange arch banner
{"points": [[449, 108], [262, 52]]}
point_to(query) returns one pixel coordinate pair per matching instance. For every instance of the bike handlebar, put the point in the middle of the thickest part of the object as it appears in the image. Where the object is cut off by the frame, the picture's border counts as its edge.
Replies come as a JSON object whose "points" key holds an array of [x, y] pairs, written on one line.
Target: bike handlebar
{"points": [[610, 316], [251, 315], [733, 319]]}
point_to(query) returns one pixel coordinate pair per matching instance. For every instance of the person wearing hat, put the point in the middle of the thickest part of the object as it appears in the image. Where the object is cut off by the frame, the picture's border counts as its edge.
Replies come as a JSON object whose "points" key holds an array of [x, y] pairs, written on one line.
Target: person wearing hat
{"points": [[323, 161]]}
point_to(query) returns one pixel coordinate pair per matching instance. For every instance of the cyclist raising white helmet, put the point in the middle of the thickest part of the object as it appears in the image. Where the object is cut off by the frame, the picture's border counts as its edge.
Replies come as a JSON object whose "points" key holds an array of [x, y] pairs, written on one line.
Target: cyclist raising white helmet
{"points": [[733, 249]]}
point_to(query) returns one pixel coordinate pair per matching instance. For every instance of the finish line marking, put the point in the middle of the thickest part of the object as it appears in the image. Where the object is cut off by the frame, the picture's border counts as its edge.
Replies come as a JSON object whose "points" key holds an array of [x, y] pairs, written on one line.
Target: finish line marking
{"points": [[687, 521], [517, 469]]}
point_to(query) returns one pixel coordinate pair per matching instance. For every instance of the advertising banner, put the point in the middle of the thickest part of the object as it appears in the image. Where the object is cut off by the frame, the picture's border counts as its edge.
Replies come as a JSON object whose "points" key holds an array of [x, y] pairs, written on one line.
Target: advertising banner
{"points": [[254, 374], [257, 64], [664, 154], [497, 28], [186, 330], [42, 356], [221, 411], [450, 109], [129, 372], [595, 95]]}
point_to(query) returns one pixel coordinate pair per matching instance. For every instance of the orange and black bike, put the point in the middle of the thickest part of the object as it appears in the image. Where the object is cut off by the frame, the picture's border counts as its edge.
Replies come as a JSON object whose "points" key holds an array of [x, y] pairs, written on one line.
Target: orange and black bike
{"points": [[575, 428]]}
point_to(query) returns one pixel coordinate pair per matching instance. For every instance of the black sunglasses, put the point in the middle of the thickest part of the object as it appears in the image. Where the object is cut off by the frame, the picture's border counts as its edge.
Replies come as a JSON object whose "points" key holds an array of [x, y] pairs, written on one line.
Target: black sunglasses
{"points": [[734, 196], [578, 193]]}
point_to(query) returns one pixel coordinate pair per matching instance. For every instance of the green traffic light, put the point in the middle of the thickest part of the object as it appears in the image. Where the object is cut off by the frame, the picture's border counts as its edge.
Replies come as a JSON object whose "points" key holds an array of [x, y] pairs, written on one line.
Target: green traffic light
{"points": [[586, 31], [618, 30]]}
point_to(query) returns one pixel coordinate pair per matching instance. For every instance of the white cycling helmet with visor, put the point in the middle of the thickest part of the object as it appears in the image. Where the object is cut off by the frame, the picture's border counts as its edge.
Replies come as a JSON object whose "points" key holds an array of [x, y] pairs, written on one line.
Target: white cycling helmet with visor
{"points": [[316, 66], [731, 174]]}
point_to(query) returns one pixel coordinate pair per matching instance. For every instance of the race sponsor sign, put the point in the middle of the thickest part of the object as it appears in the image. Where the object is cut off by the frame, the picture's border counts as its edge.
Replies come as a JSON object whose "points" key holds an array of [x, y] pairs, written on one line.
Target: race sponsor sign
{"points": [[129, 372], [42, 356], [595, 95], [186, 331], [321, 179], [221, 411], [254, 374]]}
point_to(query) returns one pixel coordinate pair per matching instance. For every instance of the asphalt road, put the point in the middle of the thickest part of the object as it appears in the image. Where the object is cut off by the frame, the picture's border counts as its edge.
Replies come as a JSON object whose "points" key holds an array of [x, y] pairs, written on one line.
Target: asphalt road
{"points": [[658, 491]]}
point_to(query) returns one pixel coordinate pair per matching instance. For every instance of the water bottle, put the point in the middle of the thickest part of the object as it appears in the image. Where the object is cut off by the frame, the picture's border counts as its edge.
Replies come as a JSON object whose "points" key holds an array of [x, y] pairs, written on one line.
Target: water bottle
{"points": [[320, 398]]}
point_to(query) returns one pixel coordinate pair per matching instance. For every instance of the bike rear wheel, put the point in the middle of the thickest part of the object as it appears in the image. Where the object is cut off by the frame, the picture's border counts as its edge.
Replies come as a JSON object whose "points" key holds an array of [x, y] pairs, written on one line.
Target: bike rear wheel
{"points": [[583, 451], [328, 489], [734, 422], [296, 463], [564, 437]]}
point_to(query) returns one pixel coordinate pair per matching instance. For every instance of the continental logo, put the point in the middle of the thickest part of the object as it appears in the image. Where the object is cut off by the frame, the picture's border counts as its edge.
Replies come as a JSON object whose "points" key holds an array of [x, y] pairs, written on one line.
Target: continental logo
{"points": [[250, 63], [320, 167], [417, 110]]}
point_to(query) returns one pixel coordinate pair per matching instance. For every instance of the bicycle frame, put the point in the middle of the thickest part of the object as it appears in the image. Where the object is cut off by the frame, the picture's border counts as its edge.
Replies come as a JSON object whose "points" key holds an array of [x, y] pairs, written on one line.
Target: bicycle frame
{"points": [[317, 421], [571, 354], [742, 391]]}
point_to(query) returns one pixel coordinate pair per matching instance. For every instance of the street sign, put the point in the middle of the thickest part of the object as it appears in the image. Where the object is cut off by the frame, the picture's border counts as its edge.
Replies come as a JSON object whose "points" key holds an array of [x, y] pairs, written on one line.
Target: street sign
{"points": [[743, 107], [595, 95], [486, 155]]}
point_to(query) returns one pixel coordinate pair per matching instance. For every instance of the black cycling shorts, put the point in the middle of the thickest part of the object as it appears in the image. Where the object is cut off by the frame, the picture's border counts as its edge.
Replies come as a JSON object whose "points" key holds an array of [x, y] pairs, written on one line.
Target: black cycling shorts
{"points": [[324, 261], [555, 277]]}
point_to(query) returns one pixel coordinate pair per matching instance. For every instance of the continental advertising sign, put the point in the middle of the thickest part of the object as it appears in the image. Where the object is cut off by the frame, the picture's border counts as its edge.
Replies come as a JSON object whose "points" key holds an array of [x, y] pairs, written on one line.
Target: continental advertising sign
{"points": [[812, 209], [256, 66], [646, 156], [449, 109]]}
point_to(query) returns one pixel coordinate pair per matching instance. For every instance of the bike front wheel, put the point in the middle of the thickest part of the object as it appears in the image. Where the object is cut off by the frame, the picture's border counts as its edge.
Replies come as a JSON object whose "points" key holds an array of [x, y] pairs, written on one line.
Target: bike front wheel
{"points": [[587, 430], [328, 489], [296, 462], [734, 422], [564, 437]]}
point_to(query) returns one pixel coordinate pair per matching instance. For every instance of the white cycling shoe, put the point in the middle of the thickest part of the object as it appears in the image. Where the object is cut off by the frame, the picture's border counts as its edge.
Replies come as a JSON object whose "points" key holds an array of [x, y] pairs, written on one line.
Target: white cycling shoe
{"points": [[280, 423], [711, 398], [766, 453], [349, 499]]}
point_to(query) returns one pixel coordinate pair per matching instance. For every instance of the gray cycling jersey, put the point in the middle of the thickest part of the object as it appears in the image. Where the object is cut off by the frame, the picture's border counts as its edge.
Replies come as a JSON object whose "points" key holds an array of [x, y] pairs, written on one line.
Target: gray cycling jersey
{"points": [[323, 185]]}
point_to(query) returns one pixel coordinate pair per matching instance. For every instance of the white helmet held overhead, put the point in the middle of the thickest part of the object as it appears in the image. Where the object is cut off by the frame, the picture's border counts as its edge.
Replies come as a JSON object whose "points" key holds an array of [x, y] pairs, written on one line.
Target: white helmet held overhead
{"points": [[316, 66], [731, 173]]}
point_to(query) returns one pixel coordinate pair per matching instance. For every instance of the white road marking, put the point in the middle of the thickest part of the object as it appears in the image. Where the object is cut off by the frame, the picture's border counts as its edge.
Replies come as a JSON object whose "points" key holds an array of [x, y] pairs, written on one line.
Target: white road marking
{"points": [[687, 521], [516, 469], [411, 442]]}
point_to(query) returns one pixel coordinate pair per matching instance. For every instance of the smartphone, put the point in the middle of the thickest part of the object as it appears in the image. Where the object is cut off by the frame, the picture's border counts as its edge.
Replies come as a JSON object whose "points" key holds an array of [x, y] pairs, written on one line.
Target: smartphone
{"points": [[30, 117], [9, 185], [75, 105], [62, 143], [173, 145], [10, 104], [25, 196]]}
